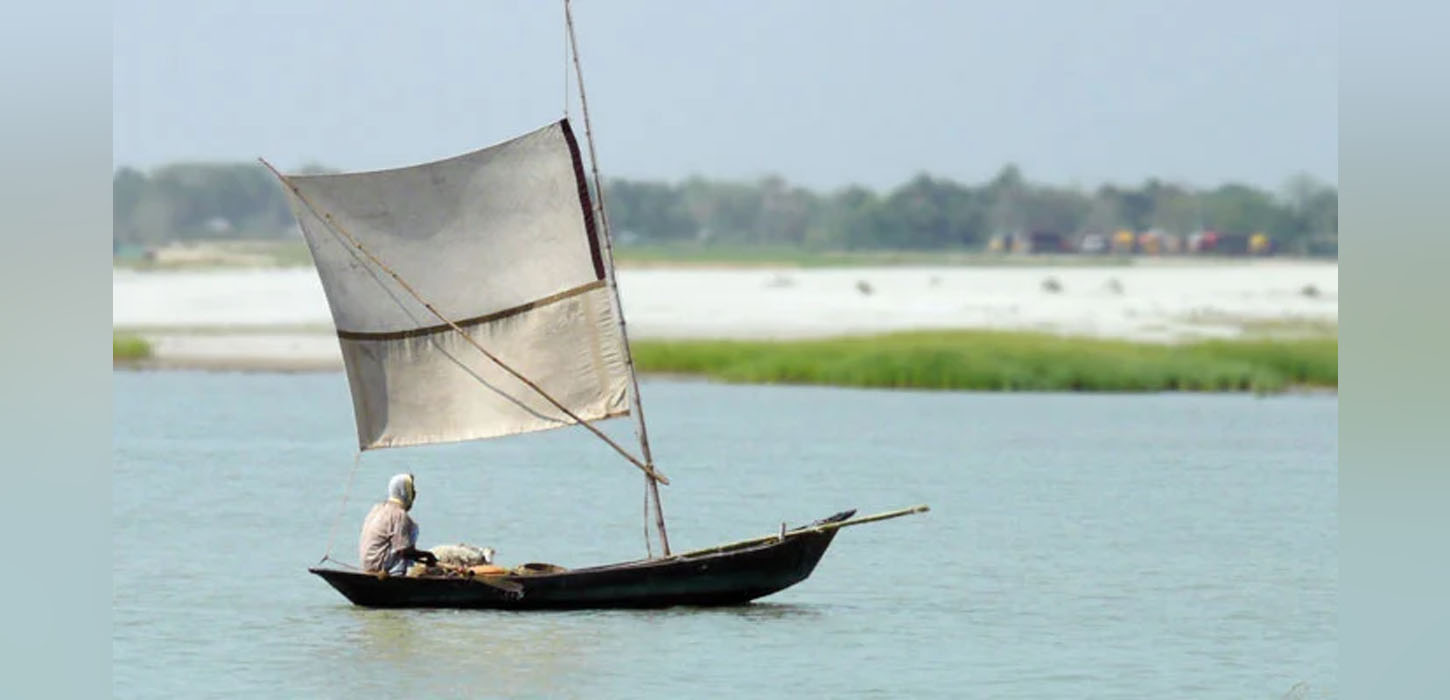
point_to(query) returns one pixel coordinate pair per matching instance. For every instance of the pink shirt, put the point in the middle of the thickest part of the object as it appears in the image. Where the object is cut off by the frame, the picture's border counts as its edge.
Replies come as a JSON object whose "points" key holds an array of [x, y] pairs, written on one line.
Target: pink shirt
{"points": [[387, 530]]}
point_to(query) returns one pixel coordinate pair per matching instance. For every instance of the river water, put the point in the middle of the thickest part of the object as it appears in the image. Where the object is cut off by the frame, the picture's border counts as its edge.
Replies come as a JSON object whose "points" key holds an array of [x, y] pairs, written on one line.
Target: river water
{"points": [[1079, 545]]}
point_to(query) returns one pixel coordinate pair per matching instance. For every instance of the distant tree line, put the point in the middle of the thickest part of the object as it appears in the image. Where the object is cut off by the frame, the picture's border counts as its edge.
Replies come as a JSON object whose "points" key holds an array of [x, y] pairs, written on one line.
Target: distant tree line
{"points": [[230, 201]]}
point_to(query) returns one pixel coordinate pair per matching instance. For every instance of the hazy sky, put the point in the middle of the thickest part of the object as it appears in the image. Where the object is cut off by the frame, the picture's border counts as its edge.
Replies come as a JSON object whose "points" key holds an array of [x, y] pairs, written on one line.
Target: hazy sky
{"points": [[823, 93]]}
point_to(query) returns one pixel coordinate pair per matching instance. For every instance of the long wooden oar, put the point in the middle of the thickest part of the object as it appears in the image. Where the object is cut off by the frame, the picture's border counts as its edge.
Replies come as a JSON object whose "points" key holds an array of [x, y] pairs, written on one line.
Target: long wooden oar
{"points": [[822, 527]]}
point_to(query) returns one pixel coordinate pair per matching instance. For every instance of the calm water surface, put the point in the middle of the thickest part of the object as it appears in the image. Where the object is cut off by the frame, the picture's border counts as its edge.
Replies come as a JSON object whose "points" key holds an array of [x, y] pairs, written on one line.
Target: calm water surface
{"points": [[1078, 546]]}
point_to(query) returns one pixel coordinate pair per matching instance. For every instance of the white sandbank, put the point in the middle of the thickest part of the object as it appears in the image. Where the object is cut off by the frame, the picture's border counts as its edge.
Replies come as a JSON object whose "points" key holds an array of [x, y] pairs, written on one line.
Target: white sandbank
{"points": [[278, 318]]}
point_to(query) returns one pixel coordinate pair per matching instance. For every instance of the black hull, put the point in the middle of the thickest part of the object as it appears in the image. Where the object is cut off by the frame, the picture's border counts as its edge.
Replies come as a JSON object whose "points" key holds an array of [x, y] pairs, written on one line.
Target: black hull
{"points": [[730, 577]]}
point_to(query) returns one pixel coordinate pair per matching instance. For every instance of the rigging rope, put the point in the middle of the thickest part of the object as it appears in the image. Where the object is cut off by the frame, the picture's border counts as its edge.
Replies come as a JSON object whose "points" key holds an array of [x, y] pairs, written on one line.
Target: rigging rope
{"points": [[346, 493], [566, 61], [648, 550]]}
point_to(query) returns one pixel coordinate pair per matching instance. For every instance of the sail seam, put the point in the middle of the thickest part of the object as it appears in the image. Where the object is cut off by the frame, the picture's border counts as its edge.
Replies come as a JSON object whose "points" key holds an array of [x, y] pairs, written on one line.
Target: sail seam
{"points": [[385, 442], [476, 320]]}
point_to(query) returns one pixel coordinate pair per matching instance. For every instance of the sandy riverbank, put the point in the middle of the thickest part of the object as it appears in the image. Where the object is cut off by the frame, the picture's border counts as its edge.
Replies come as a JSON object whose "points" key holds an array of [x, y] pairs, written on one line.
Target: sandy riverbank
{"points": [[279, 319]]}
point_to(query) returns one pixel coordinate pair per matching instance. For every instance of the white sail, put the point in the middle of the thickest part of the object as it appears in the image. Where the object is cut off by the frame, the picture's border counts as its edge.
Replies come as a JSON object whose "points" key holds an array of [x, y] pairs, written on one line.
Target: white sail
{"points": [[500, 241]]}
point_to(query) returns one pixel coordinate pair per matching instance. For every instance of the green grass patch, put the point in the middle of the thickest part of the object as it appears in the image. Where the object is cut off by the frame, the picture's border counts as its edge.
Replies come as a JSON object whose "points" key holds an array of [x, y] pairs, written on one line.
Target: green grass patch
{"points": [[1002, 361], [129, 348]]}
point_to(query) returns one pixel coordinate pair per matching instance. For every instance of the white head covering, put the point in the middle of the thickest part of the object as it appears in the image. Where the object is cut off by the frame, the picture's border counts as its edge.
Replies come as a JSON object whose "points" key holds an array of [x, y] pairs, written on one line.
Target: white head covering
{"points": [[400, 489]]}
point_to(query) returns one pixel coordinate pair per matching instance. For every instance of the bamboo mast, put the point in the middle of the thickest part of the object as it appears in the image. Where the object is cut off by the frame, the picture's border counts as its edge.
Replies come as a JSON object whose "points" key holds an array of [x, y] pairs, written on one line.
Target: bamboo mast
{"points": [[641, 431], [339, 229]]}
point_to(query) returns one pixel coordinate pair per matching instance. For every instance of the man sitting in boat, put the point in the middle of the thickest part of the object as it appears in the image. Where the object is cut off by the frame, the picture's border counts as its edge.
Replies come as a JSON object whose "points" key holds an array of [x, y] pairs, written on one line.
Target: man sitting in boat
{"points": [[389, 535]]}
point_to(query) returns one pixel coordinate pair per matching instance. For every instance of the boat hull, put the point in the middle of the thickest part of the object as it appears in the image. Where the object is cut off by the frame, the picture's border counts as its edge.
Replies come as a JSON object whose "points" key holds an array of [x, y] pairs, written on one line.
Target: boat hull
{"points": [[729, 577]]}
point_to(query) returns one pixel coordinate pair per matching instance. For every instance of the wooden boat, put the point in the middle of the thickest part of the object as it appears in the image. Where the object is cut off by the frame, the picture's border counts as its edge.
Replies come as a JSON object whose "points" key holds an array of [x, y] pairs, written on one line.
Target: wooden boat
{"points": [[475, 298], [727, 575]]}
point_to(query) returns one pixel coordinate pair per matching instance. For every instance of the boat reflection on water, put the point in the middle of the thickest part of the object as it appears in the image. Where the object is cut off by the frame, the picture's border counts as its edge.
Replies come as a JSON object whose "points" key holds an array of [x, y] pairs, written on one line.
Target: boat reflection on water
{"points": [[754, 612], [462, 653], [477, 653]]}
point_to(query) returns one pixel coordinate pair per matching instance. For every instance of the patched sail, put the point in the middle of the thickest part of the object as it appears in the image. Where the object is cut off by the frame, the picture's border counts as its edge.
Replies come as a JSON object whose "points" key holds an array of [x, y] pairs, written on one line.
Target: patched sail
{"points": [[500, 241]]}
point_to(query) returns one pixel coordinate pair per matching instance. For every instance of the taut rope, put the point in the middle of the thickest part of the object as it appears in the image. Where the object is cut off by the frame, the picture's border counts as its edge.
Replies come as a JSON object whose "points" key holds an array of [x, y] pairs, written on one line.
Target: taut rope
{"points": [[346, 493]]}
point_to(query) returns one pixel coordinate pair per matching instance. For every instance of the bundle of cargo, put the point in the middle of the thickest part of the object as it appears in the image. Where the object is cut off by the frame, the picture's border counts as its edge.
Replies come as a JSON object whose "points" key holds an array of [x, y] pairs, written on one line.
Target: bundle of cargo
{"points": [[462, 554], [458, 560]]}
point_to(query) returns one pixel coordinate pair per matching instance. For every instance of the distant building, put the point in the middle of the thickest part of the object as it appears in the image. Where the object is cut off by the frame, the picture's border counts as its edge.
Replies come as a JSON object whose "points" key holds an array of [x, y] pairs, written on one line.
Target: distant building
{"points": [[1124, 242], [1219, 243], [1034, 243], [1322, 245], [1039, 243], [1092, 244], [1232, 244], [1150, 243], [1159, 242]]}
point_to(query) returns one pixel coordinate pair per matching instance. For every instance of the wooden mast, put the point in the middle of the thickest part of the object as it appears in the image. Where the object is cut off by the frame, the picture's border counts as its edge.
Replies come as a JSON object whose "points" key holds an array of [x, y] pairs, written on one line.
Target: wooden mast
{"points": [[651, 483]]}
